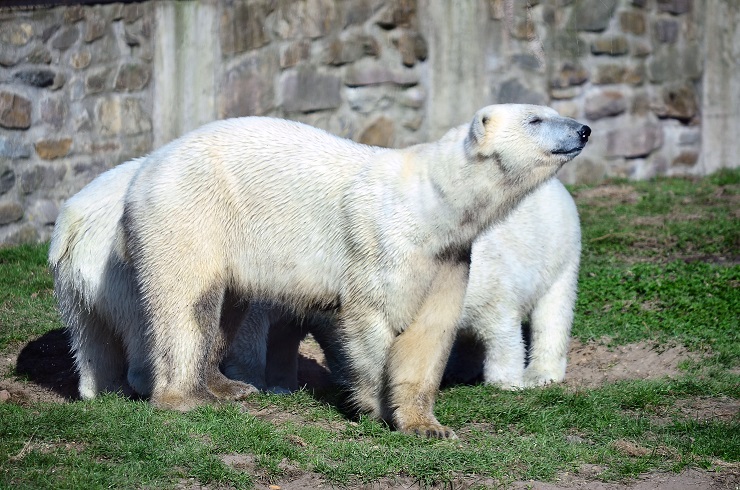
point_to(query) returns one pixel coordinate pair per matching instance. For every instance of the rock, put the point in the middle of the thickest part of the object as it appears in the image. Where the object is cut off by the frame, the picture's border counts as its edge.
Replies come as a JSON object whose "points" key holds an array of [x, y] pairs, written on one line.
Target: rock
{"points": [[97, 80], [513, 91], [306, 18], [4, 396], [350, 46], [16, 34], [15, 111], [65, 38], [94, 27], [36, 77], [243, 26], [413, 97], [42, 212], [132, 12], [293, 53], [25, 234], [7, 180], [12, 148], [675, 7], [305, 90], [668, 63], [249, 89], [592, 15], [686, 159], [380, 132], [398, 13], [567, 45], [122, 115], [608, 74], [53, 149], [10, 212], [80, 60], [677, 101], [589, 171], [634, 141], [527, 62], [613, 46], [373, 73], [568, 75], [632, 22], [665, 31], [132, 77], [73, 13], [357, 12], [412, 47], [604, 103], [54, 111]]}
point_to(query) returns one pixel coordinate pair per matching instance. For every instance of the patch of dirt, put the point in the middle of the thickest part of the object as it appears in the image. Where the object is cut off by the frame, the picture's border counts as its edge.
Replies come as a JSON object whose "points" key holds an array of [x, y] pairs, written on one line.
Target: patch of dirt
{"points": [[595, 364], [691, 479], [607, 195]]}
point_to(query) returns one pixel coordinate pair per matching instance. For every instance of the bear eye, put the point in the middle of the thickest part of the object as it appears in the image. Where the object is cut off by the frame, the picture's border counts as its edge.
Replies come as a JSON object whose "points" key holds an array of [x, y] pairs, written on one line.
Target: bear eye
{"points": [[535, 120]]}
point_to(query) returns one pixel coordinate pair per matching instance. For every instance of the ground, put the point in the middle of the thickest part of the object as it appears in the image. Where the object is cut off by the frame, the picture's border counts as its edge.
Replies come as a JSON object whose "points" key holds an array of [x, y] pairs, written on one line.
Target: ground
{"points": [[46, 362]]}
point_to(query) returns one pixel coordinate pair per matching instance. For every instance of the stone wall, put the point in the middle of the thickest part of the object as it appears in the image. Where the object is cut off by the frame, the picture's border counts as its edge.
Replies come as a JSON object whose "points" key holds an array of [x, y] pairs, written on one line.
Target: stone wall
{"points": [[85, 88]]}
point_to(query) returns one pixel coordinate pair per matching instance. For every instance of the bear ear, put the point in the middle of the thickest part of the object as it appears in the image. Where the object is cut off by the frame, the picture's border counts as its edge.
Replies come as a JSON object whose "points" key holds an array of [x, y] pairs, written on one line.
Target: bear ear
{"points": [[478, 129]]}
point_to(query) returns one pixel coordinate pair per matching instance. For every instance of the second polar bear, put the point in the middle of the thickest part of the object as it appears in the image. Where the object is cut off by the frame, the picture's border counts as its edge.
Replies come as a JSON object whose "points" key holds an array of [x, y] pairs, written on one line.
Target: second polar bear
{"points": [[525, 267], [258, 208]]}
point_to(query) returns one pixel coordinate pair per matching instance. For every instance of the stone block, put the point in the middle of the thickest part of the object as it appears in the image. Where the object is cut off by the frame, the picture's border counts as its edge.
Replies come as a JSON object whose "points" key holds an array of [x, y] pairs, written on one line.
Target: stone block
{"points": [[305, 18], [686, 159], [634, 141], [632, 22], [569, 74], [398, 13], [374, 73], [122, 115], [305, 90], [73, 14], [567, 45], [249, 88], [53, 111], [608, 74], [94, 27], [592, 15], [96, 80], [412, 47], [612, 46], [380, 132], [26, 233], [15, 111], [132, 77], [356, 12], [10, 212], [604, 103], [16, 33], [7, 179], [513, 91], [132, 12], [415, 97], [665, 31], [42, 212], [670, 63], [349, 47], [80, 60], [36, 77], [65, 38], [675, 7], [13, 148], [243, 26], [293, 53], [677, 101], [51, 149]]}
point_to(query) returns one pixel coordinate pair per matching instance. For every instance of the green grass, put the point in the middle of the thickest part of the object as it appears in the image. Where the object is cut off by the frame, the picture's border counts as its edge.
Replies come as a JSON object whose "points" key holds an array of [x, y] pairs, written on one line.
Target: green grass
{"points": [[660, 264]]}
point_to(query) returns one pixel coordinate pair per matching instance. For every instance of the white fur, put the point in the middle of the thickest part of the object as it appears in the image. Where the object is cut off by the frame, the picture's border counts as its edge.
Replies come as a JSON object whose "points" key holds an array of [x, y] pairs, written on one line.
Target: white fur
{"points": [[95, 287], [526, 266], [269, 209]]}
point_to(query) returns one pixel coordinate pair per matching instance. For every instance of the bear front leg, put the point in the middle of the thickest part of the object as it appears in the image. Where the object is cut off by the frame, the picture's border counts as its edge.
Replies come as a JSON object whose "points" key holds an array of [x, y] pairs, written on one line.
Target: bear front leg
{"points": [[418, 356], [551, 322]]}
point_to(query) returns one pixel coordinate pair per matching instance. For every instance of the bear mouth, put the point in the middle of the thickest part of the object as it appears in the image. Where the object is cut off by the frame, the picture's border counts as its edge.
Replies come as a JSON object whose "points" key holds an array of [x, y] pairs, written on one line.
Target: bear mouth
{"points": [[567, 151]]}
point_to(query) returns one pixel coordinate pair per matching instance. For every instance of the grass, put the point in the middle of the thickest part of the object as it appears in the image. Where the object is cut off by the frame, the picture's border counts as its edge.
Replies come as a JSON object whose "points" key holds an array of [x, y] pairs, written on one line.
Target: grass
{"points": [[660, 264]]}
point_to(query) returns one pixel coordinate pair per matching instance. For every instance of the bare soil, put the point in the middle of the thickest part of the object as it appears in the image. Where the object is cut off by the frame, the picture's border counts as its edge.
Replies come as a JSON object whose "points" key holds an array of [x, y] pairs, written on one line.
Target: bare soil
{"points": [[43, 371]]}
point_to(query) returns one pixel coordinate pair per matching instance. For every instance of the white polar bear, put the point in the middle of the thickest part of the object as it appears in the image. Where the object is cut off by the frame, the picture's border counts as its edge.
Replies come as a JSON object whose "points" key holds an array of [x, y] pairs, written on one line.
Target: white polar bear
{"points": [[525, 267], [270, 209], [96, 290]]}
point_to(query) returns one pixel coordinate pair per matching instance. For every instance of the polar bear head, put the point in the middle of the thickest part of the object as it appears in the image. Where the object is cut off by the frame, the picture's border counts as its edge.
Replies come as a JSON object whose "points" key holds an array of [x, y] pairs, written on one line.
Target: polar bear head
{"points": [[521, 137]]}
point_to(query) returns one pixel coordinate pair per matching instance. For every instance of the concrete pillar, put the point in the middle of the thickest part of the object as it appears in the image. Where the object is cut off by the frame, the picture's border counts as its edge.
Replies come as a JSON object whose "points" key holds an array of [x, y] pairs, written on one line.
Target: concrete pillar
{"points": [[458, 39], [185, 67], [720, 112]]}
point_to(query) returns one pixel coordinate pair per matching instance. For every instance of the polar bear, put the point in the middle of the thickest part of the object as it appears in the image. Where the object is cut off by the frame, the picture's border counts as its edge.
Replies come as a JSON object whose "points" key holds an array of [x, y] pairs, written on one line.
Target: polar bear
{"points": [[261, 208], [96, 290], [525, 267]]}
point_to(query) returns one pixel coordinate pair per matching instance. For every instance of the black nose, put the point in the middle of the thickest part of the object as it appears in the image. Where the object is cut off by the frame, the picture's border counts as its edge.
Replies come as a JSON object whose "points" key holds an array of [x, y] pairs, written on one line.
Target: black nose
{"points": [[584, 132]]}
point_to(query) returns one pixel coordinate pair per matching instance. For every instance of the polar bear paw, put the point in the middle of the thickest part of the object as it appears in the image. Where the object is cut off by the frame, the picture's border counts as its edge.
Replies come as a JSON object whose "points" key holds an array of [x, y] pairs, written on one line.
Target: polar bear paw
{"points": [[537, 377]]}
